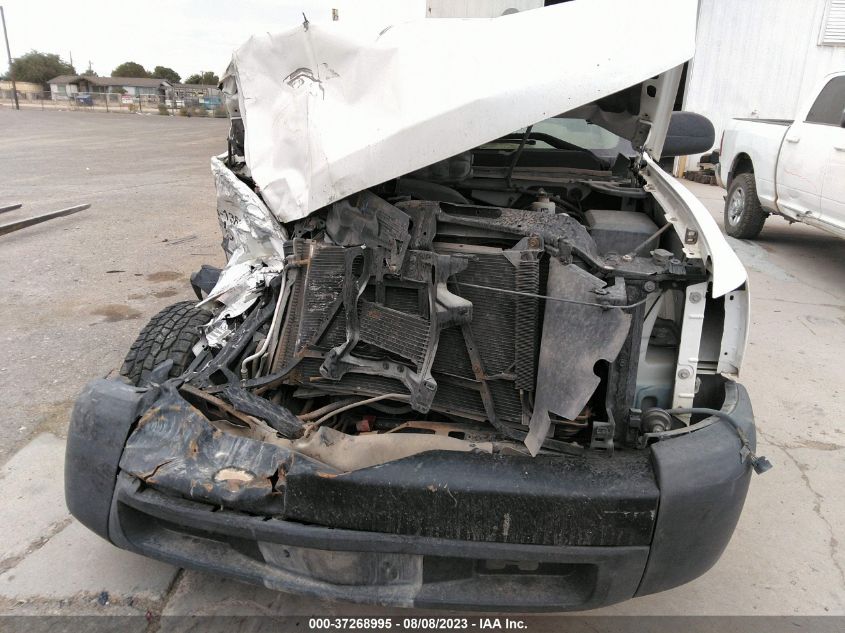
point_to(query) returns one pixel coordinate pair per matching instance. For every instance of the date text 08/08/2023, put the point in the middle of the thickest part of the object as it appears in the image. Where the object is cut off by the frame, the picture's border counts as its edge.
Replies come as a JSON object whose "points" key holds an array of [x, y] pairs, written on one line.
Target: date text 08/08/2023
{"points": [[414, 624]]}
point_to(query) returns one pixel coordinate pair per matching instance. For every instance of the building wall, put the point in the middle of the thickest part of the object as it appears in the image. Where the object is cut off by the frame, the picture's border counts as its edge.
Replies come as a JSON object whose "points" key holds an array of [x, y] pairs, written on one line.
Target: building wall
{"points": [[757, 58], [23, 87], [63, 91]]}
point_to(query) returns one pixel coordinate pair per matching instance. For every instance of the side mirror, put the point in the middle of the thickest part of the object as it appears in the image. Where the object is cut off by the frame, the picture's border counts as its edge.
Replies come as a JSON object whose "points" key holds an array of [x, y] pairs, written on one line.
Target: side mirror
{"points": [[689, 133]]}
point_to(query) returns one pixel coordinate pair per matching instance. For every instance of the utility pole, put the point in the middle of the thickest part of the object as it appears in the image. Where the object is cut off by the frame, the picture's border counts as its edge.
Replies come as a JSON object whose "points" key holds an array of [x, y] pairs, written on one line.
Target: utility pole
{"points": [[9, 55]]}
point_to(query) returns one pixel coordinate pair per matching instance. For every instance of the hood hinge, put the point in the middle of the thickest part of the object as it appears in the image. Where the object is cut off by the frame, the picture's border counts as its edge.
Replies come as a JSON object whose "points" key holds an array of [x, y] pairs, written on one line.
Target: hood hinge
{"points": [[640, 135]]}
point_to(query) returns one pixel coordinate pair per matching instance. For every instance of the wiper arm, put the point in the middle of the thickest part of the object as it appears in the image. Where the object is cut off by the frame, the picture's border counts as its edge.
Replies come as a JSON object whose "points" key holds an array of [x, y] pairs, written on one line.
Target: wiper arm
{"points": [[517, 154], [554, 141]]}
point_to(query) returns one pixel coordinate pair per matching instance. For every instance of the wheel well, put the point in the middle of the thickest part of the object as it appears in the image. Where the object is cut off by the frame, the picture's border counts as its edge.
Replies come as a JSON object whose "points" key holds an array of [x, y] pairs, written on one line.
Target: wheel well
{"points": [[742, 165]]}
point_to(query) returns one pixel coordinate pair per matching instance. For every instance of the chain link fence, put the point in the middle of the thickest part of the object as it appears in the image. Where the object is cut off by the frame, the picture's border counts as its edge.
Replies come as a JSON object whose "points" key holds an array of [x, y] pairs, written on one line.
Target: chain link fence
{"points": [[115, 102]]}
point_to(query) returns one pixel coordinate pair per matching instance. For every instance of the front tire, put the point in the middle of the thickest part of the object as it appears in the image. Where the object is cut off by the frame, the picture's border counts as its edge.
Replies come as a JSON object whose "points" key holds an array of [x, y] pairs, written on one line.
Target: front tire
{"points": [[744, 216], [170, 335]]}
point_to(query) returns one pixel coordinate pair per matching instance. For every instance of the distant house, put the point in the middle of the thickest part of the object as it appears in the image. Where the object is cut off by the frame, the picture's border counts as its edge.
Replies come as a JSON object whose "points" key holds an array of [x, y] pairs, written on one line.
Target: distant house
{"points": [[65, 86]]}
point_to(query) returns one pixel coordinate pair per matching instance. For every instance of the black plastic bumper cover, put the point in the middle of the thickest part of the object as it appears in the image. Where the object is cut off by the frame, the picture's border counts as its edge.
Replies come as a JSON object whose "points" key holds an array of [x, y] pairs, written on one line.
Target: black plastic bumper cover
{"points": [[703, 485], [371, 567], [99, 425], [702, 489]]}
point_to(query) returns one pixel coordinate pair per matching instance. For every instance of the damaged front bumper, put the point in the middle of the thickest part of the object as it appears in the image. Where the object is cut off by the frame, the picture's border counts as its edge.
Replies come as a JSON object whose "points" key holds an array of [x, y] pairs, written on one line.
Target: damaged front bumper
{"points": [[436, 529]]}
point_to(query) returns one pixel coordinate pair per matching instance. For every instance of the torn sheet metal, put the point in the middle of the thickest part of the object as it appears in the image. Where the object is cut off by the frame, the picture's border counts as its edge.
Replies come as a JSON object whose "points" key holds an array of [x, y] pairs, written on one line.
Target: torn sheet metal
{"points": [[250, 231], [332, 109], [575, 338], [239, 287], [254, 244], [240, 284]]}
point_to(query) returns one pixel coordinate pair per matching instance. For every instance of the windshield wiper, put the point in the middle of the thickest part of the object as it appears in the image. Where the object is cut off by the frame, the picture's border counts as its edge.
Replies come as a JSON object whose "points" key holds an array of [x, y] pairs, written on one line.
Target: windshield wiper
{"points": [[555, 142], [516, 155]]}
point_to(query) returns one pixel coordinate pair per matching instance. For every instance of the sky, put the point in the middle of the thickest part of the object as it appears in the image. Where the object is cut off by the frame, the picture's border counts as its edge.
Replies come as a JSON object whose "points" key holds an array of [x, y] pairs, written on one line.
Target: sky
{"points": [[189, 36]]}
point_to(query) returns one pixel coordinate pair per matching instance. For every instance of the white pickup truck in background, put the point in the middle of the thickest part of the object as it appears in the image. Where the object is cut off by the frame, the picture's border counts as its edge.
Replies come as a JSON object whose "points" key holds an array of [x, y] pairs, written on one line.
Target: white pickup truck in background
{"points": [[795, 169]]}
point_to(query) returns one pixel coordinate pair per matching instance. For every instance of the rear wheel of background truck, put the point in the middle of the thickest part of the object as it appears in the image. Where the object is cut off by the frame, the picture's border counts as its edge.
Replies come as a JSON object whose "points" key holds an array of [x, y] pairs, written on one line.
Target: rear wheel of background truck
{"points": [[744, 217], [170, 335]]}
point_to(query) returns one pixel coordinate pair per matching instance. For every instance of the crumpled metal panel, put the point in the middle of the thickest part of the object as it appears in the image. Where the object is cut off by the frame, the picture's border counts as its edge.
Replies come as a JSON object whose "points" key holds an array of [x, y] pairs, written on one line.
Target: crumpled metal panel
{"points": [[254, 244], [331, 109], [250, 230]]}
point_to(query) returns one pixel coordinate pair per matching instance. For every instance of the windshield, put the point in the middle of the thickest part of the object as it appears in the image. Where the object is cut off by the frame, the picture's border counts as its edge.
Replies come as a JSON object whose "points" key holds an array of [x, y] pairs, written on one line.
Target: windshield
{"points": [[584, 134], [578, 132]]}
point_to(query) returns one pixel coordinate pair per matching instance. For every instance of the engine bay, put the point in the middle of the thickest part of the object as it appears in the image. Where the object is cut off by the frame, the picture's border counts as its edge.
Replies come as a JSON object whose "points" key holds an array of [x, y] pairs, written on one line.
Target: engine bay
{"points": [[500, 300]]}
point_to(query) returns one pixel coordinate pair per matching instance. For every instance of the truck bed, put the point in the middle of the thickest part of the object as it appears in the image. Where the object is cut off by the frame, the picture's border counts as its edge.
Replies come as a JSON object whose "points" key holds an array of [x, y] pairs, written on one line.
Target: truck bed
{"points": [[746, 140]]}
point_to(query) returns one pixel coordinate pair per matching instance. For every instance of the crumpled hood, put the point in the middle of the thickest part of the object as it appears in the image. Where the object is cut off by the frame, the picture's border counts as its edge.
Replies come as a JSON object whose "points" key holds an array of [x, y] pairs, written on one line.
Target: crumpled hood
{"points": [[332, 109]]}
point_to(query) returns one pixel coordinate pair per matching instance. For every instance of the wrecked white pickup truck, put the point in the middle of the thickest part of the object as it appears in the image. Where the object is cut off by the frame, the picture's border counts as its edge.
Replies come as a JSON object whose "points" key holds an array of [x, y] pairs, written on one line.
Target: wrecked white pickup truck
{"points": [[472, 348]]}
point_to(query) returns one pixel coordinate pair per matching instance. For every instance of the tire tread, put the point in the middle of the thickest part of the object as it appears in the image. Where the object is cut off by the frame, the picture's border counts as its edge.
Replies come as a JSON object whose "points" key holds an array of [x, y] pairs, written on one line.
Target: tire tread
{"points": [[753, 216], [170, 334]]}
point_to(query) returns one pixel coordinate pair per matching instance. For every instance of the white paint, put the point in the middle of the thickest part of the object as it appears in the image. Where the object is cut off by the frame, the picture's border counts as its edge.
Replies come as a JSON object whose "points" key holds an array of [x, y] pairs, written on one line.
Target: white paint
{"points": [[335, 108], [804, 153], [833, 187], [799, 170], [735, 332], [478, 8], [761, 142], [254, 245], [685, 211], [249, 229], [691, 328]]}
